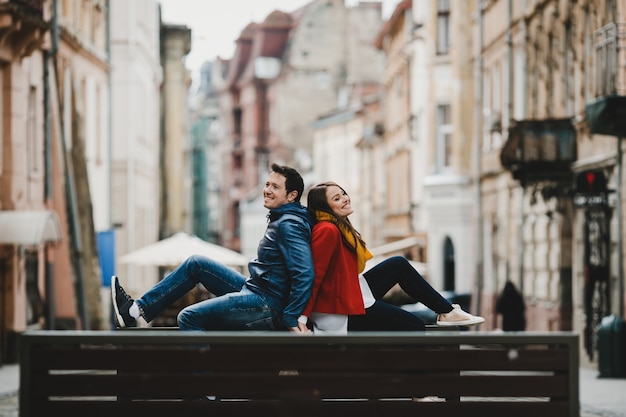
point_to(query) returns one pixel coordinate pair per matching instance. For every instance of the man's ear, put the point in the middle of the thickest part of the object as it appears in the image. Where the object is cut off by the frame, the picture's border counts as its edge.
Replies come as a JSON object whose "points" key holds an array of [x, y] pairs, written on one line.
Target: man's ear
{"points": [[292, 196]]}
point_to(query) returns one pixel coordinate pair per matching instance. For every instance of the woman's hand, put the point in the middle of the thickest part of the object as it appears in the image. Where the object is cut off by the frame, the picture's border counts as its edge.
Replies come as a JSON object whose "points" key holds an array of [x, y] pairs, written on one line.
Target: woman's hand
{"points": [[301, 329]]}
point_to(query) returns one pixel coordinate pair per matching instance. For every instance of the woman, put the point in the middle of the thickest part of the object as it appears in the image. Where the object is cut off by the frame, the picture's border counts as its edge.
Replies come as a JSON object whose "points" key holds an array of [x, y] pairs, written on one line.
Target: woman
{"points": [[329, 203], [339, 255]]}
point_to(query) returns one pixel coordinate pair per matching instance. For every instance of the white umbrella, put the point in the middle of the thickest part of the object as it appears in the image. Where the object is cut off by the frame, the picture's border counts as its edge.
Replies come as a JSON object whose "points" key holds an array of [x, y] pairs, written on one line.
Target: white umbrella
{"points": [[175, 249]]}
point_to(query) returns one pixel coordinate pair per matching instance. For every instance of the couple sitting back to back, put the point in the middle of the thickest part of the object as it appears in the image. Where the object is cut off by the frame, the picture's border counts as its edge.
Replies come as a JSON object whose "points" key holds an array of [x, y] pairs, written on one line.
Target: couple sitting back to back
{"points": [[308, 273]]}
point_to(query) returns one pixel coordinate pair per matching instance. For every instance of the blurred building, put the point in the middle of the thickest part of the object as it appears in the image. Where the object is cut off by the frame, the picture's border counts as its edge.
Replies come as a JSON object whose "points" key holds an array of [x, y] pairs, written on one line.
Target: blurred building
{"points": [[347, 149], [394, 40], [207, 164], [287, 71], [550, 175], [54, 122], [136, 80], [176, 143], [427, 124], [443, 121], [81, 147]]}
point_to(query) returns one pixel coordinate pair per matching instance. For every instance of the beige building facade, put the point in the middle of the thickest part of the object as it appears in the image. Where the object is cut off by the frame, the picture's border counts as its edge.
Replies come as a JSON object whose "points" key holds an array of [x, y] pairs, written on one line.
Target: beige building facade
{"points": [[393, 41], [278, 83], [427, 120], [136, 78], [548, 223], [445, 190], [80, 156], [23, 177], [80, 69], [527, 237], [54, 107], [176, 144]]}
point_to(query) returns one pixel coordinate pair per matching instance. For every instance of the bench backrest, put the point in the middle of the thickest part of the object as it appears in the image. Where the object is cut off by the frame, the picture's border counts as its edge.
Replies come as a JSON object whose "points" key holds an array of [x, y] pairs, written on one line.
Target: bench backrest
{"points": [[170, 373]]}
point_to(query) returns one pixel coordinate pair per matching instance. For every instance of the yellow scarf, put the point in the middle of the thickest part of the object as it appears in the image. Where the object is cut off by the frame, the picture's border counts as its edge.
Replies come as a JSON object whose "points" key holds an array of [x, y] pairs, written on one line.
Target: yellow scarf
{"points": [[362, 253]]}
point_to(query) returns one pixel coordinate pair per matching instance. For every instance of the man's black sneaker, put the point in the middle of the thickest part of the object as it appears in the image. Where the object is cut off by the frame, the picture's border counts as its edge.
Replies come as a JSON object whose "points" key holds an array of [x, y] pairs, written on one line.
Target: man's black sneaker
{"points": [[121, 304]]}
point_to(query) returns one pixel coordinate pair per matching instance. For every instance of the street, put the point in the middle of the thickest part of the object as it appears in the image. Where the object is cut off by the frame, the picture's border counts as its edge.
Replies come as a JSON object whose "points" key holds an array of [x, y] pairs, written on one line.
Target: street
{"points": [[9, 406]]}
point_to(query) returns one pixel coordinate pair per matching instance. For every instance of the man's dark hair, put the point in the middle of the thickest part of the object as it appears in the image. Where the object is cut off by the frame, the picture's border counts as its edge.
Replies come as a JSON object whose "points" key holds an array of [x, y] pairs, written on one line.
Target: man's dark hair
{"points": [[293, 179]]}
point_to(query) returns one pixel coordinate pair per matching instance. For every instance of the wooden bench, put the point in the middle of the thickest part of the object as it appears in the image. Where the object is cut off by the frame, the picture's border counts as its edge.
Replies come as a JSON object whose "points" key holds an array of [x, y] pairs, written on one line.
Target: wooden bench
{"points": [[173, 373]]}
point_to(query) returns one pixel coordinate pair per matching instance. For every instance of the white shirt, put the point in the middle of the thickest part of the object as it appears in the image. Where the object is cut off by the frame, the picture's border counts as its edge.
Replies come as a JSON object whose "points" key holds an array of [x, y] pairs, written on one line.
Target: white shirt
{"points": [[338, 322], [366, 292]]}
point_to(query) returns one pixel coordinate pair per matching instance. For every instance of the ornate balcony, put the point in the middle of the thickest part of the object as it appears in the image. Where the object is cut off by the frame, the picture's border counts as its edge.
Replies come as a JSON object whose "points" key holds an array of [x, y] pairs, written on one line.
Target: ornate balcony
{"points": [[31, 6], [540, 150], [23, 26]]}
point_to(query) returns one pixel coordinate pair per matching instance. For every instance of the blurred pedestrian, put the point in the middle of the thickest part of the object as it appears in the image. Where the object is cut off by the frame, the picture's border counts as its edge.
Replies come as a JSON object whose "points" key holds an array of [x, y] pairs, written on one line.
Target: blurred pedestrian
{"points": [[510, 305]]}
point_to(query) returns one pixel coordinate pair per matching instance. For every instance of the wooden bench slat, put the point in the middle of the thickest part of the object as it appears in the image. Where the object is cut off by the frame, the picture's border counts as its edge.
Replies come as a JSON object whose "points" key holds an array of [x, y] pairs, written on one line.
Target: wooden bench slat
{"points": [[310, 409], [253, 385], [351, 357]]}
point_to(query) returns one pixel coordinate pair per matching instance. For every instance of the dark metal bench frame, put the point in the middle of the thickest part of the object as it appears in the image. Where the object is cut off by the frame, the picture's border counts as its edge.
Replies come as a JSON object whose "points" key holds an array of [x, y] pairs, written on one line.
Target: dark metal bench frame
{"points": [[171, 373]]}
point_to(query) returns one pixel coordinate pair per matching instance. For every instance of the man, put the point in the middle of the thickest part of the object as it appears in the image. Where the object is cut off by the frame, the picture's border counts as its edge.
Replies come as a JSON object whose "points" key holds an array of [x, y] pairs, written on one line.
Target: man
{"points": [[272, 298]]}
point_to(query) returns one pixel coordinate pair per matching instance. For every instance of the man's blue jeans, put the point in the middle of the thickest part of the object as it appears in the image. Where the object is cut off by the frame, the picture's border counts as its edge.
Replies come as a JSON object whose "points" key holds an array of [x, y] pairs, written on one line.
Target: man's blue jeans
{"points": [[234, 307]]}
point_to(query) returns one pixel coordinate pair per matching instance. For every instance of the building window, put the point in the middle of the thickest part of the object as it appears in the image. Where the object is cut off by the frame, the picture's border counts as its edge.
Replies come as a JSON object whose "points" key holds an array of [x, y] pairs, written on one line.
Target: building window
{"points": [[99, 157], [611, 10], [494, 124], [2, 95], [534, 81], [34, 305], [443, 27], [444, 137], [588, 54], [237, 123], [550, 76], [487, 109], [323, 79], [31, 132], [448, 265], [519, 83], [606, 51], [568, 70]]}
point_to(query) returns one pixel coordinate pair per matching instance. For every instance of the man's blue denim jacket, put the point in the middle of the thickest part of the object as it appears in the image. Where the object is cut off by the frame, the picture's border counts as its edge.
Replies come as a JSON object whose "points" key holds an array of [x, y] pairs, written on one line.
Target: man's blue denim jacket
{"points": [[283, 272]]}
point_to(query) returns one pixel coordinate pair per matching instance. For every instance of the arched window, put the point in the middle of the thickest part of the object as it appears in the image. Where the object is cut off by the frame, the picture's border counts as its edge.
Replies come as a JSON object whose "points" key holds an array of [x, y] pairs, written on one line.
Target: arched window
{"points": [[448, 265]]}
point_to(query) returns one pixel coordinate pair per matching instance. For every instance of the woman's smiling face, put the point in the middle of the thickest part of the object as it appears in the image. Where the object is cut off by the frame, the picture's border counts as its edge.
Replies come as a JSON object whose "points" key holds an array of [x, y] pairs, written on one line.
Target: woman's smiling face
{"points": [[338, 201]]}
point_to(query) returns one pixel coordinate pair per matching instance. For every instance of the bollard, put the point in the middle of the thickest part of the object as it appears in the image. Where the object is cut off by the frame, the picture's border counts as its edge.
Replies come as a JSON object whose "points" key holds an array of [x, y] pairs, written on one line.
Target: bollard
{"points": [[612, 347]]}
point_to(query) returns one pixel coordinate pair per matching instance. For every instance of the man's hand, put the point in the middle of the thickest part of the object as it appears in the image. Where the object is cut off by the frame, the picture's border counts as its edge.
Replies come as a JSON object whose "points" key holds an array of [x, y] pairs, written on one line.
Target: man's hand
{"points": [[301, 329]]}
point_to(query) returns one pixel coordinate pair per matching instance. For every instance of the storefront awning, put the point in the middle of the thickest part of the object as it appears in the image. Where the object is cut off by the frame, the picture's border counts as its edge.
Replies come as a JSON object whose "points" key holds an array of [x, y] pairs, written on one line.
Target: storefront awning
{"points": [[30, 227], [397, 246]]}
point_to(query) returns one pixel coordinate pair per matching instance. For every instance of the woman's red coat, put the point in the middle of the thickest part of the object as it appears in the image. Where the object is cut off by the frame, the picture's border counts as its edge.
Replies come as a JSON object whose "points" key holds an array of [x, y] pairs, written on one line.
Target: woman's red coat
{"points": [[336, 287]]}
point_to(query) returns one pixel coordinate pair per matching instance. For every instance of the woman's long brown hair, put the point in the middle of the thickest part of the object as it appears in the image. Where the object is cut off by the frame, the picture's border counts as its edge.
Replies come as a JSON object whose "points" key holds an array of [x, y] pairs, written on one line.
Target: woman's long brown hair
{"points": [[317, 201]]}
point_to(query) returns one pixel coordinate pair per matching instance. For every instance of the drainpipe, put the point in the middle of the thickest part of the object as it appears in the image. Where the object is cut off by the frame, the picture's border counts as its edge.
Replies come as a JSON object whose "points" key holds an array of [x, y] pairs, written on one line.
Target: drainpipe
{"points": [[107, 9], [620, 230], [48, 57], [509, 107], [478, 95], [76, 245], [523, 196], [520, 222], [508, 116]]}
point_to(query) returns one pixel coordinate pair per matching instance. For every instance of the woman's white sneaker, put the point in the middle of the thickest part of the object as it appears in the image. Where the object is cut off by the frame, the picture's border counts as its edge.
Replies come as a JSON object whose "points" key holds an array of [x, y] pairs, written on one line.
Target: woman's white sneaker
{"points": [[458, 317]]}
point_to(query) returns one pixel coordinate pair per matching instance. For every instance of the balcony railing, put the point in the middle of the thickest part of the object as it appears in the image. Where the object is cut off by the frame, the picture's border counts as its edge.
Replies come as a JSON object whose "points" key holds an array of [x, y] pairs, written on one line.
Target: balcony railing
{"points": [[24, 27], [540, 150], [30, 7]]}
